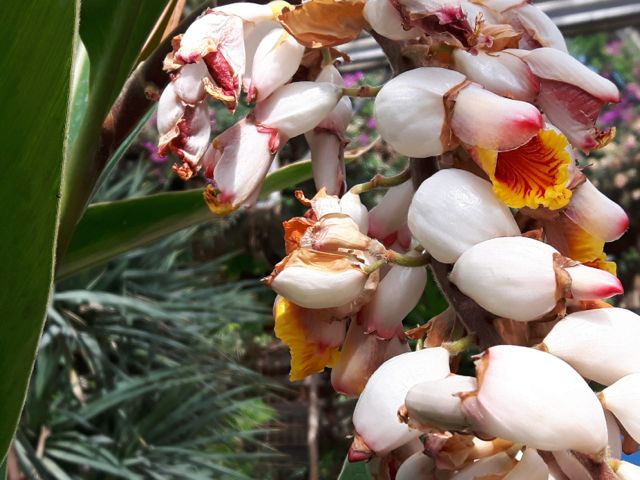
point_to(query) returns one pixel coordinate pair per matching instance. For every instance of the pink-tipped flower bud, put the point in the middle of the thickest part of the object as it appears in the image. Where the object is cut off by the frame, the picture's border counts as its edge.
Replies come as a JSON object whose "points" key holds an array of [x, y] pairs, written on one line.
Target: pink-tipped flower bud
{"points": [[417, 466], [375, 416], [571, 95], [622, 399], [276, 59], [516, 278], [386, 20], [410, 112], [397, 294], [601, 344], [596, 213], [361, 355], [484, 119], [531, 397], [473, 214], [390, 215], [588, 283], [502, 73], [530, 467], [437, 405], [297, 107]]}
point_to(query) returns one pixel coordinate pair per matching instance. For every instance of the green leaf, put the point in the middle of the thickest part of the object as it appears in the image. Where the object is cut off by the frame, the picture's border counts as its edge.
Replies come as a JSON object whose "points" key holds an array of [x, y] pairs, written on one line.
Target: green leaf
{"points": [[38, 42], [113, 32], [111, 228], [354, 471]]}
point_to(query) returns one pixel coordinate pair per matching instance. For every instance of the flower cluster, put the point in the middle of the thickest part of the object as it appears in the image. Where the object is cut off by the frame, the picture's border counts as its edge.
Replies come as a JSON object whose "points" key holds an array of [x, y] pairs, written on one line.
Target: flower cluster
{"points": [[495, 109]]}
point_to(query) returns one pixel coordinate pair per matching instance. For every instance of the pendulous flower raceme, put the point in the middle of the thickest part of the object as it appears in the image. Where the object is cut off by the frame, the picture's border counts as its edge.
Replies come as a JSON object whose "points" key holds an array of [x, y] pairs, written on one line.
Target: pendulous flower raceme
{"points": [[493, 112]]}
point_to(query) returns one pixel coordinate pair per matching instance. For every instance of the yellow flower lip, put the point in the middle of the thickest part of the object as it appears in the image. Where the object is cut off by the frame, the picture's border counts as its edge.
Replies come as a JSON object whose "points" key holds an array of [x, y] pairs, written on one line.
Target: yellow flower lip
{"points": [[533, 175], [213, 201]]}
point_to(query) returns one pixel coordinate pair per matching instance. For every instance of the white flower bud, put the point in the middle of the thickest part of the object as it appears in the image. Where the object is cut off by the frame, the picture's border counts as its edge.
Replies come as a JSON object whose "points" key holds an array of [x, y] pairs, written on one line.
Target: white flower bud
{"points": [[515, 277], [417, 466], [375, 416], [496, 465], [622, 399], [531, 397], [500, 72], [512, 277], [436, 404], [397, 294], [453, 210], [410, 112], [486, 120], [596, 213], [601, 344], [189, 84], [530, 467], [297, 107], [276, 59], [390, 215], [351, 205], [386, 20]]}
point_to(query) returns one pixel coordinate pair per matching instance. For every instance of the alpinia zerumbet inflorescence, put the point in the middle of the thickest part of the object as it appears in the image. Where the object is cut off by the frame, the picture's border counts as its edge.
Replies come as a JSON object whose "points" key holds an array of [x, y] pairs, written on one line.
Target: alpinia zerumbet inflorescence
{"points": [[495, 110]]}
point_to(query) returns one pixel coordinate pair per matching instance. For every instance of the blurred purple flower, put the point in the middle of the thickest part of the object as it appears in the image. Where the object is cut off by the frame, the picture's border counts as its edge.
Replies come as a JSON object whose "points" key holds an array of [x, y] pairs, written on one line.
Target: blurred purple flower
{"points": [[152, 148], [614, 47], [363, 139], [371, 123], [352, 79]]}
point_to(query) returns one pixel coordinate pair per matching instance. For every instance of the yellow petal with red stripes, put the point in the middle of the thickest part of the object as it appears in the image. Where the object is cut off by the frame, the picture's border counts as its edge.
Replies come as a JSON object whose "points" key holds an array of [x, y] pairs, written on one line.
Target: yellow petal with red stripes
{"points": [[533, 175]]}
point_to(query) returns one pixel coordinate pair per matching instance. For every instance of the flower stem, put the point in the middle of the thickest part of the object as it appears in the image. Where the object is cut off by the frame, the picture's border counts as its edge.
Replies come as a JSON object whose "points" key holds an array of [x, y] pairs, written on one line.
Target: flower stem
{"points": [[460, 345], [381, 182], [326, 56], [369, 269], [362, 91], [407, 260]]}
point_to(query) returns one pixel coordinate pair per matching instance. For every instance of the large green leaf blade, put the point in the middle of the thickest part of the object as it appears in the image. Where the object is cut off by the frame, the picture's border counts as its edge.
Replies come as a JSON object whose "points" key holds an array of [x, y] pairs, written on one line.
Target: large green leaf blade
{"points": [[111, 228], [37, 42]]}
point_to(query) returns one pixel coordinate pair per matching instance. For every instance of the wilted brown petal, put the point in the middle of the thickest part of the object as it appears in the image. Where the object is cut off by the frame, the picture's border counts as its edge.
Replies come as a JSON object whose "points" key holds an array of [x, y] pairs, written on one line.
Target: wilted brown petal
{"points": [[314, 23]]}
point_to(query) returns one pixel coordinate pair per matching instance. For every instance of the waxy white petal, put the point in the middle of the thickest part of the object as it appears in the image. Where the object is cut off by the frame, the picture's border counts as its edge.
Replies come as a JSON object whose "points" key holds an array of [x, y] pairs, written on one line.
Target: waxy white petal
{"points": [[361, 355], [390, 215], [417, 466], [531, 397], [351, 205], [512, 277], [588, 283], [530, 467], [298, 107], [386, 20], [497, 465], [570, 465], [552, 64], [375, 416], [626, 471], [327, 161], [170, 110], [539, 27], [486, 120], [601, 344], [409, 110], [189, 84], [500, 72], [311, 288], [276, 59], [622, 399], [473, 214], [614, 434], [437, 404], [397, 294], [594, 212], [237, 162]]}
